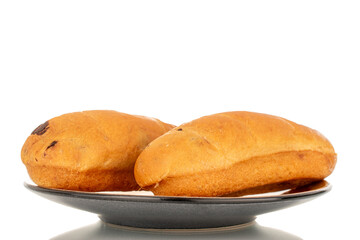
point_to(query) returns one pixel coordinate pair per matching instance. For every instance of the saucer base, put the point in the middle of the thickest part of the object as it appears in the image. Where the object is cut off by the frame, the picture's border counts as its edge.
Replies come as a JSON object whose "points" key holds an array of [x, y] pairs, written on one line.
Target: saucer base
{"points": [[173, 224]]}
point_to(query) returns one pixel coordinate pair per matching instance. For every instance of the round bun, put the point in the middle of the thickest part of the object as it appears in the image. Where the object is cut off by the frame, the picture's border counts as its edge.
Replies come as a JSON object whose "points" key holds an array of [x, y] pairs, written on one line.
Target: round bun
{"points": [[90, 150], [233, 152]]}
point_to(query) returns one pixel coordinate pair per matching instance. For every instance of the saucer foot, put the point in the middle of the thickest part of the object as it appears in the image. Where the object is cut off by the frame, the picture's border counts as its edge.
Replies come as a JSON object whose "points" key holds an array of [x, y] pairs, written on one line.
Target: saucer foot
{"points": [[176, 224]]}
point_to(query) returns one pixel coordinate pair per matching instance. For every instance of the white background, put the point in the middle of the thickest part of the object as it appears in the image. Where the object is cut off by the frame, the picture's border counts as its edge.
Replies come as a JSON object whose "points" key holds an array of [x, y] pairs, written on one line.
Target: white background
{"points": [[177, 61]]}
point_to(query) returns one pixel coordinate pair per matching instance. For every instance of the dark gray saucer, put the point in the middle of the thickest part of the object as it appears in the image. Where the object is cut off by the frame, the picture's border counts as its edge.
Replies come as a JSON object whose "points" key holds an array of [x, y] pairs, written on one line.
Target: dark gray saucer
{"points": [[179, 212]]}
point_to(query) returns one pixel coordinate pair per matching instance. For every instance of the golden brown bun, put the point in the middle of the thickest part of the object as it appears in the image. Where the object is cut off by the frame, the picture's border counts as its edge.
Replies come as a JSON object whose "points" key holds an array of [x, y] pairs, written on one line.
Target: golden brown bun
{"points": [[90, 150], [234, 151]]}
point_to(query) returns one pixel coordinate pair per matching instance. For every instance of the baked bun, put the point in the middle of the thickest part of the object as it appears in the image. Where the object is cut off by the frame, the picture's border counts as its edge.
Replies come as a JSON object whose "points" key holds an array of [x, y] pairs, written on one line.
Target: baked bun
{"points": [[233, 152], [90, 150]]}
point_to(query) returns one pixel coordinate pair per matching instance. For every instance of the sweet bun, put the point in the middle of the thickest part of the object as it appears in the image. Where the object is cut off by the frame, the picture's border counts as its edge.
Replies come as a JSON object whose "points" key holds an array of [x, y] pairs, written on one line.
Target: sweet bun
{"points": [[231, 153], [90, 150]]}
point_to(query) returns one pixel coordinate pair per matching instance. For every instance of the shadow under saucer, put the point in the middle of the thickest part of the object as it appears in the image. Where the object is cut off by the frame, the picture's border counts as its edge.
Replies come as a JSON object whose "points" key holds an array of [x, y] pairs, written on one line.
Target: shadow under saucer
{"points": [[101, 230]]}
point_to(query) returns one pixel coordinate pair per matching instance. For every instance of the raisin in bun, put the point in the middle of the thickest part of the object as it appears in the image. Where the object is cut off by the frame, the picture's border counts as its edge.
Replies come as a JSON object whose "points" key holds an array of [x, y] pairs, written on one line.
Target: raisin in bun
{"points": [[90, 150], [233, 152]]}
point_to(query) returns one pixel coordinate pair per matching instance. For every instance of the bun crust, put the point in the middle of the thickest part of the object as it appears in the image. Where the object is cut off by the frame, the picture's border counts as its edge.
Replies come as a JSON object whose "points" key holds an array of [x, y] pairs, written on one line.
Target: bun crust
{"points": [[234, 151], [90, 150]]}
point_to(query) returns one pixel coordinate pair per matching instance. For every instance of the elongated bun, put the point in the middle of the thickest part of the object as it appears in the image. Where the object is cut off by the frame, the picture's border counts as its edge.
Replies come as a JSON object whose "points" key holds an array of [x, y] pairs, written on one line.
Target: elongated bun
{"points": [[234, 151], [90, 150]]}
